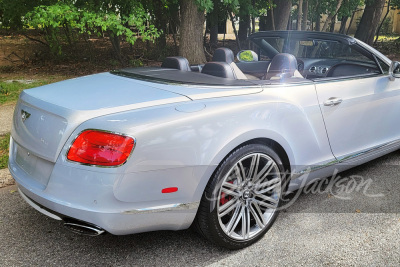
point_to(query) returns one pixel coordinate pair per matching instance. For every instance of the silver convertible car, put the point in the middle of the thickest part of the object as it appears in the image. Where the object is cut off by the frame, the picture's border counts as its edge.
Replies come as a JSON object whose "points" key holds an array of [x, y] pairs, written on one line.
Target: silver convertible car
{"points": [[215, 146]]}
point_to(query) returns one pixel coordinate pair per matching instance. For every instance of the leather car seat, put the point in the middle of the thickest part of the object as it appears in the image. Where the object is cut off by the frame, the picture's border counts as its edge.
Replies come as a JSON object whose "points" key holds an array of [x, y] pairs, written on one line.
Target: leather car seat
{"points": [[224, 54], [219, 69], [283, 65], [179, 63]]}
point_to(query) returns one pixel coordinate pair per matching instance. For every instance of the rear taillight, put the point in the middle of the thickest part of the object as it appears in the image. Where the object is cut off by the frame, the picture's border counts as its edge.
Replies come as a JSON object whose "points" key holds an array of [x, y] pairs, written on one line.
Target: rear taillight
{"points": [[101, 148]]}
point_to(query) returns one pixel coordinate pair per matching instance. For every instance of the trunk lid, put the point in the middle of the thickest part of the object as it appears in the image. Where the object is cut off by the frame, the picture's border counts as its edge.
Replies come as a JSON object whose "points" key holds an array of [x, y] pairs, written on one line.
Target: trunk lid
{"points": [[46, 116]]}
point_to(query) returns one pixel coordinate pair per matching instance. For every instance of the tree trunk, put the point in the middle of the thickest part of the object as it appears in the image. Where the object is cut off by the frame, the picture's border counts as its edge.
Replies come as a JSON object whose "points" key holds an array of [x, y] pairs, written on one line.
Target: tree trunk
{"points": [[305, 16], [369, 21], [332, 15], [383, 20], [253, 24], [318, 23], [115, 41], [244, 23], [271, 13], [212, 24], [191, 32], [351, 20], [332, 26], [299, 14], [161, 24], [214, 35], [281, 14], [234, 30], [343, 23], [253, 19], [262, 23]]}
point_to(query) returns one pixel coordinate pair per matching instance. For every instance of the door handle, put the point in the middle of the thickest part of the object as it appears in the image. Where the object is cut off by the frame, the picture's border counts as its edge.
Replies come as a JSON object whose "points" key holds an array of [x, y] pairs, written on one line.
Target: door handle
{"points": [[333, 101]]}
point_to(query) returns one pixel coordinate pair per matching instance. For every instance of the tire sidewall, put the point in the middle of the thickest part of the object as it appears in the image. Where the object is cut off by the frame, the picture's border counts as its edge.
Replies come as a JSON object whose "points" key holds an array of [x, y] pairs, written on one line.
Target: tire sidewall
{"points": [[216, 182]]}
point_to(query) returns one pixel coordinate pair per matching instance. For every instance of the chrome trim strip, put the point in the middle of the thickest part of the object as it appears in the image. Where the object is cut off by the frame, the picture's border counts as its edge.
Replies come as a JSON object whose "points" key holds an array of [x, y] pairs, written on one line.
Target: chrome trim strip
{"points": [[368, 151], [36, 207], [316, 167], [345, 78], [347, 158], [165, 208]]}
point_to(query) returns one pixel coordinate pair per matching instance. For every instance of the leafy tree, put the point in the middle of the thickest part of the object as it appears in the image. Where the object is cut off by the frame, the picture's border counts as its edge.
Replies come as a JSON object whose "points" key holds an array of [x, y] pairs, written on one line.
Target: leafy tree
{"points": [[12, 11], [51, 19], [347, 10], [332, 10]]}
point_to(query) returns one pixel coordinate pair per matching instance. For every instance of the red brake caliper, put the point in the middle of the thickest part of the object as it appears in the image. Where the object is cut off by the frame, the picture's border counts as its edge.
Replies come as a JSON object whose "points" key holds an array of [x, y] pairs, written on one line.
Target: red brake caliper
{"points": [[225, 198]]}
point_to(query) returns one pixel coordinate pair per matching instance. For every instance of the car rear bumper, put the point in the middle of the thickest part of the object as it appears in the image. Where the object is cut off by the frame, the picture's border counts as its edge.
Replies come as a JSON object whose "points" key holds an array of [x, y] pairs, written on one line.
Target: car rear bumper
{"points": [[88, 196], [166, 217]]}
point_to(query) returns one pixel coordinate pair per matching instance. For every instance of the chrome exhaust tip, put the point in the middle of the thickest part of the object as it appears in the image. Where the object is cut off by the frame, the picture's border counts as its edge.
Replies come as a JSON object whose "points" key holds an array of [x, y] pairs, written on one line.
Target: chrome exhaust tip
{"points": [[84, 229]]}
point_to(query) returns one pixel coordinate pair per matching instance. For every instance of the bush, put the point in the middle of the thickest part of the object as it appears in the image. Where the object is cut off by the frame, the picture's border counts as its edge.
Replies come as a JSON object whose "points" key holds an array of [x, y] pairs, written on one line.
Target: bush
{"points": [[52, 19]]}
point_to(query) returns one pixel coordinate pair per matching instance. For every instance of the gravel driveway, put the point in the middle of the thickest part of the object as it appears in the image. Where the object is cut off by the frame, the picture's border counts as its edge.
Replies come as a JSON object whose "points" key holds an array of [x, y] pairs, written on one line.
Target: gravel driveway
{"points": [[323, 227]]}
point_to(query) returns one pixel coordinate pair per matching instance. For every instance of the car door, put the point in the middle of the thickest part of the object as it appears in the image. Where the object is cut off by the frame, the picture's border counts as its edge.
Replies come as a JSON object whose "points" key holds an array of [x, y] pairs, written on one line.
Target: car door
{"points": [[360, 111]]}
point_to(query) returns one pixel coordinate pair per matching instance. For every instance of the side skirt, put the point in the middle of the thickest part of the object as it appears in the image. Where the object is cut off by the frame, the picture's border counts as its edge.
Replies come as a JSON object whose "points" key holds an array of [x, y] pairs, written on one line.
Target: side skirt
{"points": [[319, 171]]}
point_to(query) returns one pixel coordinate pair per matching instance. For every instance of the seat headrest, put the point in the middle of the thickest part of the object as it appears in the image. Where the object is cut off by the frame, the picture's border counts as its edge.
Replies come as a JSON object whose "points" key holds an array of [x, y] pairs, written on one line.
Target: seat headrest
{"points": [[223, 54], [179, 63], [219, 69], [283, 63]]}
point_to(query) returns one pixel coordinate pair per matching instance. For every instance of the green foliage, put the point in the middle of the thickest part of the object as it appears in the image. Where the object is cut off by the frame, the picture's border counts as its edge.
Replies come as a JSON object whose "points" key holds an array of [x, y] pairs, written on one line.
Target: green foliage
{"points": [[205, 4], [395, 4], [135, 63], [51, 19], [246, 56], [4, 150], [387, 26], [12, 11], [317, 8], [348, 7], [99, 23]]}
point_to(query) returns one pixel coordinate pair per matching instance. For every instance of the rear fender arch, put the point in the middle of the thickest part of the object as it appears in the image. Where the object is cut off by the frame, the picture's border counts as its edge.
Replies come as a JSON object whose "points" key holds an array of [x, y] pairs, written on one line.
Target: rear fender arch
{"points": [[269, 138]]}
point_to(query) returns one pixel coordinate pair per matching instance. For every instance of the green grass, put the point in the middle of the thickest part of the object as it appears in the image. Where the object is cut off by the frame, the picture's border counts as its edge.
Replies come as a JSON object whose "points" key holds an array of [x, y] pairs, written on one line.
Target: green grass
{"points": [[4, 145], [10, 88], [387, 38], [9, 91]]}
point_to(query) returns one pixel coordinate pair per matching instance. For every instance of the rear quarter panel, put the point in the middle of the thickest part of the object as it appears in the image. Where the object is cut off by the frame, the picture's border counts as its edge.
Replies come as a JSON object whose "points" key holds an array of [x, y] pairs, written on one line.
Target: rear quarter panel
{"points": [[183, 149]]}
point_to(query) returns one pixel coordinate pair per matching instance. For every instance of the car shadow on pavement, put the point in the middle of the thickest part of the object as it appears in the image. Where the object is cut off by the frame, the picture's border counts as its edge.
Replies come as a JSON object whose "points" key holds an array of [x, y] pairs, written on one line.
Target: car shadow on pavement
{"points": [[30, 238], [369, 188]]}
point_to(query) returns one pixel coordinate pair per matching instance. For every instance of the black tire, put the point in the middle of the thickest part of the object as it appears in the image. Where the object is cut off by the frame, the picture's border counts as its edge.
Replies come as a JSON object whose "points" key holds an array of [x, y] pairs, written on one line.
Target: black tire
{"points": [[210, 219]]}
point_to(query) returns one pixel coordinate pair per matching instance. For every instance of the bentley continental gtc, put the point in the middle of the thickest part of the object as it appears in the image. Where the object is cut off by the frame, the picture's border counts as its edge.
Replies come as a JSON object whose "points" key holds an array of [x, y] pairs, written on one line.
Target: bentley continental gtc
{"points": [[212, 146]]}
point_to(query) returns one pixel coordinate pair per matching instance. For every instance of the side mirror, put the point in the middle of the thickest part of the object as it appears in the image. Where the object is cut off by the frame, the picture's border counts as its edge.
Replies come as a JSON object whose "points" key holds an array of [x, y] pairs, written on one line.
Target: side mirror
{"points": [[247, 56], [394, 70]]}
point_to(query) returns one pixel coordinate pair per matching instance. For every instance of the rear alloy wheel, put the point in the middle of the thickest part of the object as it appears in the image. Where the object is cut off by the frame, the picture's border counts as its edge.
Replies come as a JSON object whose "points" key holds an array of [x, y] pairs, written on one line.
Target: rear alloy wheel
{"points": [[241, 200]]}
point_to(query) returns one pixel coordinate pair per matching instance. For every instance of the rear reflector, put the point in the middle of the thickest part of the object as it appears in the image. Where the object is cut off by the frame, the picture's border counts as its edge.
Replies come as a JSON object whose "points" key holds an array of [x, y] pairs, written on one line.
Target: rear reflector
{"points": [[169, 190], [95, 147]]}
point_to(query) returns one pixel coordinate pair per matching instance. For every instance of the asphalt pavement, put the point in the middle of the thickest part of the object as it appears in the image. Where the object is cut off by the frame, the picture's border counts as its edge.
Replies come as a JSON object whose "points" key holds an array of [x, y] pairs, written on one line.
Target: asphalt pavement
{"points": [[354, 222]]}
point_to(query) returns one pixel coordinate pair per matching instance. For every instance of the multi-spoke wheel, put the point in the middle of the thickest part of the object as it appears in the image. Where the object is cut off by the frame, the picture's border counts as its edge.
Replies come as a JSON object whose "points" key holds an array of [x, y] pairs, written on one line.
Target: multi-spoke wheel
{"points": [[242, 198]]}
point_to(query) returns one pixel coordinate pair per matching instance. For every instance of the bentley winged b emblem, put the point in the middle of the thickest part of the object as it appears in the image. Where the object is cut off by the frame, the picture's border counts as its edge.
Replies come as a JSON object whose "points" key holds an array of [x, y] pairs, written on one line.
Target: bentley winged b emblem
{"points": [[24, 115]]}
